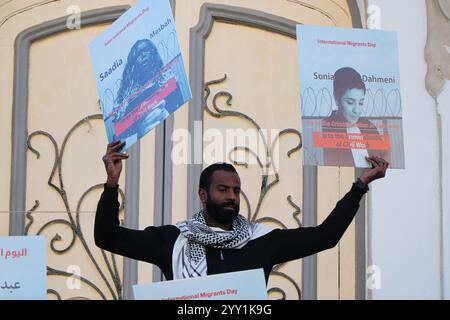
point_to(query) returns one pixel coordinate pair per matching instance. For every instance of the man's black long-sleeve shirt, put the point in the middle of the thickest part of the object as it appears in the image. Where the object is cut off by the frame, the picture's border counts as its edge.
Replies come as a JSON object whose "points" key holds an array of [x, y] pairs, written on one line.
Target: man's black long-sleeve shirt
{"points": [[155, 244]]}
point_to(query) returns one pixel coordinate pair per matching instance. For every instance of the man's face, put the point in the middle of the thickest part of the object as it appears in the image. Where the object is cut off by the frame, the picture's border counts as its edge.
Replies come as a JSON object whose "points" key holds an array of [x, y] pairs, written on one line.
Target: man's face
{"points": [[223, 197], [351, 104]]}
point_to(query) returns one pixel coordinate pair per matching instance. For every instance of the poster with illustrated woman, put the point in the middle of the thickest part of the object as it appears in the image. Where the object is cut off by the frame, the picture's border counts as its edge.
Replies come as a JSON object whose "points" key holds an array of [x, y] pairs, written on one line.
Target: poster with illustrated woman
{"points": [[140, 74]]}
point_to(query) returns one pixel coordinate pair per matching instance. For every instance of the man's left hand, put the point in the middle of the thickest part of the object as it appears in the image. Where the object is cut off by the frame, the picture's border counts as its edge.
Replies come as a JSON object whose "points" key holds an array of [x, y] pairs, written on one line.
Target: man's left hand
{"points": [[378, 170]]}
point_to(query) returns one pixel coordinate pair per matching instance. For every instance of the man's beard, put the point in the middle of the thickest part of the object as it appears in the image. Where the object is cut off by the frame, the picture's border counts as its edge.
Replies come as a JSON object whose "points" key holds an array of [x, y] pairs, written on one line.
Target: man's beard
{"points": [[221, 214]]}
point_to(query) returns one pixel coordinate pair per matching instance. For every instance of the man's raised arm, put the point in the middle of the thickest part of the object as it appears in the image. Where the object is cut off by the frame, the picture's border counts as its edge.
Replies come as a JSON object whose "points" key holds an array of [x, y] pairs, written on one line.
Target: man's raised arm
{"points": [[297, 243], [151, 244]]}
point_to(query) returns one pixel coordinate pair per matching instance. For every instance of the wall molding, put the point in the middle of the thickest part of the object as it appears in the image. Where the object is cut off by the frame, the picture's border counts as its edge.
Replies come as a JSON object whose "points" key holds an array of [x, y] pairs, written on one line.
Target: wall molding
{"points": [[358, 9], [211, 13], [437, 55]]}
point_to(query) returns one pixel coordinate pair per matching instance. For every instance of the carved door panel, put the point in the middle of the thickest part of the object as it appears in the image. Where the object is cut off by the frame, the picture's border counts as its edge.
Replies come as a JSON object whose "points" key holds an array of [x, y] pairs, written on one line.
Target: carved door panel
{"points": [[243, 72]]}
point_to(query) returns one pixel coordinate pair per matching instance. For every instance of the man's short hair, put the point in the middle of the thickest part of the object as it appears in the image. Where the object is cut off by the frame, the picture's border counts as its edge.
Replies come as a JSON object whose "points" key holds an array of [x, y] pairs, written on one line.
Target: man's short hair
{"points": [[346, 79], [207, 173]]}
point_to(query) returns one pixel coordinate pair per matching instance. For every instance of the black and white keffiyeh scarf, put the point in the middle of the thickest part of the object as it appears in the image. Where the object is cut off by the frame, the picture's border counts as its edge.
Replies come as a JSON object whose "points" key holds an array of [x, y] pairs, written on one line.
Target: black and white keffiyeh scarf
{"points": [[189, 254]]}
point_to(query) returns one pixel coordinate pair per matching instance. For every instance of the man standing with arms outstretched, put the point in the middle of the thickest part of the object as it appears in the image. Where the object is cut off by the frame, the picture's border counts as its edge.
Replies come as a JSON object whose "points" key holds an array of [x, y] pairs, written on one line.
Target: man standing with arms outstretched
{"points": [[218, 239]]}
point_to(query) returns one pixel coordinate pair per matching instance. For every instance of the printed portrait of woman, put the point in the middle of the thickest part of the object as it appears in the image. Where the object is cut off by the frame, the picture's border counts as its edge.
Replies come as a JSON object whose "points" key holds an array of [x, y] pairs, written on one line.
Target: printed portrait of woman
{"points": [[349, 93], [141, 77]]}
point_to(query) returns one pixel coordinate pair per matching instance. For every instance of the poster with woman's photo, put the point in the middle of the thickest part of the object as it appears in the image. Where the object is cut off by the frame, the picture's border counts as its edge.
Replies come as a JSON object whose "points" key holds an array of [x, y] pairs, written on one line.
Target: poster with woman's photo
{"points": [[350, 96], [139, 71]]}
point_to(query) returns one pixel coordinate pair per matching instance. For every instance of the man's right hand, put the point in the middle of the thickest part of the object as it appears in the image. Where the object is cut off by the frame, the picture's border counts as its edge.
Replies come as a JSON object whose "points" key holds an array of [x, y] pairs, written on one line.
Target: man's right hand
{"points": [[113, 163]]}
